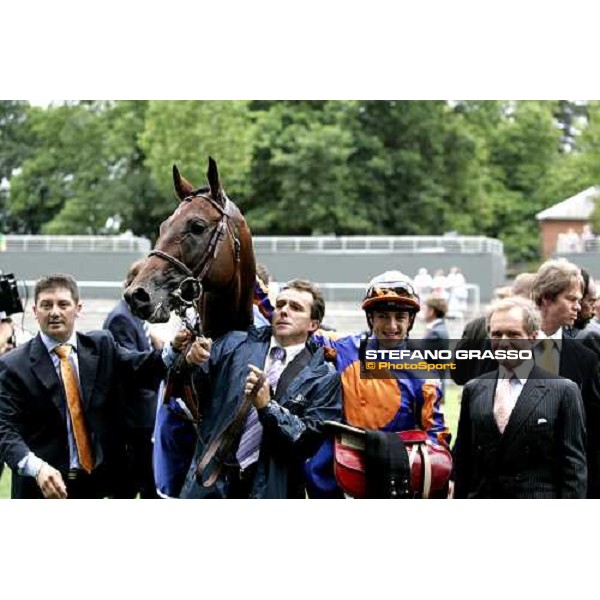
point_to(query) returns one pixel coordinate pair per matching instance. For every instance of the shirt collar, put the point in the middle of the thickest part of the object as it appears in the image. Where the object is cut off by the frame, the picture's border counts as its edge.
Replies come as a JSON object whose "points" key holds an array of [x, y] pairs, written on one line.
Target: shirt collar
{"points": [[557, 336], [522, 371], [290, 351], [51, 343]]}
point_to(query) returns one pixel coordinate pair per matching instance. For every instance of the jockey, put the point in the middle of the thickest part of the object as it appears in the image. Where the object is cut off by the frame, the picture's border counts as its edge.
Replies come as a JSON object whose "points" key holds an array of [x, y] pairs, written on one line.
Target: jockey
{"points": [[400, 400]]}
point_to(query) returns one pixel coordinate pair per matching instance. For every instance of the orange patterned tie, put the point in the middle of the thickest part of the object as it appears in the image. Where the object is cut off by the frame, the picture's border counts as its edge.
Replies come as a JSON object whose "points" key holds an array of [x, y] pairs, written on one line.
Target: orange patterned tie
{"points": [[82, 439]]}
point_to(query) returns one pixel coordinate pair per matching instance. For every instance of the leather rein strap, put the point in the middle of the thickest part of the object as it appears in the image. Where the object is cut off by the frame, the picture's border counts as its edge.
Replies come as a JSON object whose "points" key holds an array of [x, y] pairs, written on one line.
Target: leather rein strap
{"points": [[222, 446]]}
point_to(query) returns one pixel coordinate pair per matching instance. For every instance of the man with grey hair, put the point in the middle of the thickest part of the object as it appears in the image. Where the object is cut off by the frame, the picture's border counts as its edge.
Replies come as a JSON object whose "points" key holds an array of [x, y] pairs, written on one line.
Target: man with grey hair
{"points": [[521, 431], [475, 336]]}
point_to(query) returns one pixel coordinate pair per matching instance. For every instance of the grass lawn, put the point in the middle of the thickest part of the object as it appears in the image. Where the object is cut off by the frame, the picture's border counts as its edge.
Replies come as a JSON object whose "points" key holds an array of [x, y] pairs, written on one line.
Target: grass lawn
{"points": [[5, 483], [451, 411]]}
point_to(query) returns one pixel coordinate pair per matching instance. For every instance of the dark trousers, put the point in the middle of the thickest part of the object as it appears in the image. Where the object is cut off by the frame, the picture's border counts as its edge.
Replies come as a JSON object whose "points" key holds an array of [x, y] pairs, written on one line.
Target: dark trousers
{"points": [[240, 482], [84, 486], [134, 474]]}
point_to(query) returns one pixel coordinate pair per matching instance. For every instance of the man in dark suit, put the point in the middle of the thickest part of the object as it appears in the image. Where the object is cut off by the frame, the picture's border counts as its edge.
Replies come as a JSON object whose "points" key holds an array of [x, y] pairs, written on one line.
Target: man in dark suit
{"points": [[436, 334], [137, 412], [557, 292], [521, 431], [58, 399]]}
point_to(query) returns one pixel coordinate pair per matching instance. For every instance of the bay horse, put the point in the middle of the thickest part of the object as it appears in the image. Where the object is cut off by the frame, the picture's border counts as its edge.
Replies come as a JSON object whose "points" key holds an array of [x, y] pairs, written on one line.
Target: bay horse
{"points": [[205, 242]]}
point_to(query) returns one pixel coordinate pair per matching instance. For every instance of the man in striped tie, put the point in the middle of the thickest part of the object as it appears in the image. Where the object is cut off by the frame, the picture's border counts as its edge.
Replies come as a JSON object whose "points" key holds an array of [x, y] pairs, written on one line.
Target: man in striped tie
{"points": [[267, 391]]}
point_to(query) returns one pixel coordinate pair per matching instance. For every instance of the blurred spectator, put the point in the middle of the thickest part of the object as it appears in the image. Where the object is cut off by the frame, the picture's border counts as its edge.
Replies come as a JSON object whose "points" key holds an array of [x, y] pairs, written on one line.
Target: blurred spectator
{"points": [[596, 318], [587, 236], [523, 285], [436, 330], [440, 284], [457, 293], [586, 305], [569, 242], [7, 336], [436, 333], [265, 280], [7, 342], [423, 282]]}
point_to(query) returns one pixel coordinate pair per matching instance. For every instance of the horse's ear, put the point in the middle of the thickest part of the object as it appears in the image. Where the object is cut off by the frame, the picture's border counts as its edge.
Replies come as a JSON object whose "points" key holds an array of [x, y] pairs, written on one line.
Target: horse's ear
{"points": [[182, 186], [216, 191]]}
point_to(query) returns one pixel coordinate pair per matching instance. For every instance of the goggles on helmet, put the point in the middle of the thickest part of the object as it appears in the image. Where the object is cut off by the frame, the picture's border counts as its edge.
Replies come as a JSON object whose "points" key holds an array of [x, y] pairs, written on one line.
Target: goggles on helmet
{"points": [[396, 294]]}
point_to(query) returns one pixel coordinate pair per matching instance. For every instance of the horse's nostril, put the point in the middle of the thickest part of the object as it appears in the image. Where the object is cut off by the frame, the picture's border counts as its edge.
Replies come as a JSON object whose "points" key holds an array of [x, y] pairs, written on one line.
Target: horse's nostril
{"points": [[137, 298]]}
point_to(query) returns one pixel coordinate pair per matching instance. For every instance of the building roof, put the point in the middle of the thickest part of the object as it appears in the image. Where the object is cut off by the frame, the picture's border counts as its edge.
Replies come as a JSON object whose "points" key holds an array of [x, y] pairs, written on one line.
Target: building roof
{"points": [[578, 207]]}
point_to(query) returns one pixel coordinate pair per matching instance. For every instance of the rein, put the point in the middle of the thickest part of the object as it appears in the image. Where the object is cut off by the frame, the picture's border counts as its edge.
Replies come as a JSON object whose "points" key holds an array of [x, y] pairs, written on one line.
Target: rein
{"points": [[197, 274]]}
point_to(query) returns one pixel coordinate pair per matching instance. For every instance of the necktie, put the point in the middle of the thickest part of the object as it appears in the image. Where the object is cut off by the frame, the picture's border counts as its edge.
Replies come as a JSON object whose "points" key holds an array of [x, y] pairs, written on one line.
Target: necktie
{"points": [[503, 403], [249, 448], [82, 439], [277, 355], [546, 361]]}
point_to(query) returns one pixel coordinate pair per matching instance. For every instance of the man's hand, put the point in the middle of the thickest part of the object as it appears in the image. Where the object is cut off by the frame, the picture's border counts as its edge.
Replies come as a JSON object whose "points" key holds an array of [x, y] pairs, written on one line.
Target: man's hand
{"points": [[199, 351], [182, 338], [51, 482], [262, 396]]}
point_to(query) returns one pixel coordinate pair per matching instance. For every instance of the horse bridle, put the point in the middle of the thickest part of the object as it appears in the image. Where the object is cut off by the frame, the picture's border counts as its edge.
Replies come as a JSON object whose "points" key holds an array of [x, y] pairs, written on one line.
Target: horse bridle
{"points": [[196, 275]]}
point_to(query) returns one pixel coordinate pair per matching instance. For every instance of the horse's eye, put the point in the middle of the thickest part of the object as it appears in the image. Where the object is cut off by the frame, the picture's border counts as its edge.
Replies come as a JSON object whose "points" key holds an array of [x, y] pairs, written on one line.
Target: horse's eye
{"points": [[197, 227]]}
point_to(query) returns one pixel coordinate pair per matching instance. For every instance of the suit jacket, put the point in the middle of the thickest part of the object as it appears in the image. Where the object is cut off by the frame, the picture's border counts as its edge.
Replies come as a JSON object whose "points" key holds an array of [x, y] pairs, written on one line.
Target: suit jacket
{"points": [[542, 452], [33, 406], [474, 337], [437, 338], [580, 365], [138, 403]]}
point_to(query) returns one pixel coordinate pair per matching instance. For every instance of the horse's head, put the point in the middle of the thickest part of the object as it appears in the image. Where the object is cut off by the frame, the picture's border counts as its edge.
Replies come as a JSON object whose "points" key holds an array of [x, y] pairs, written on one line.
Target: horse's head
{"points": [[205, 239]]}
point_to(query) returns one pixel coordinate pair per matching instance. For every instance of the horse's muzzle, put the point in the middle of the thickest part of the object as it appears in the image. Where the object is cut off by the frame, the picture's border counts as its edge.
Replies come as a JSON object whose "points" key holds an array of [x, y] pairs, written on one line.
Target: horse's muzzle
{"points": [[140, 302]]}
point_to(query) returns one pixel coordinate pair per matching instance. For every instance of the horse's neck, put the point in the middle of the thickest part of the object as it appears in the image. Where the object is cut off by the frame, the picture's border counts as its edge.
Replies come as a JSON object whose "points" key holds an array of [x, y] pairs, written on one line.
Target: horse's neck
{"points": [[231, 309], [225, 312]]}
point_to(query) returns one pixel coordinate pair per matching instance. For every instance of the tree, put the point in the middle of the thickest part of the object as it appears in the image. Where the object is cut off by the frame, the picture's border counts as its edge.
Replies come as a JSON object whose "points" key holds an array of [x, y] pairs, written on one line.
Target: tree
{"points": [[301, 175], [186, 133], [14, 148]]}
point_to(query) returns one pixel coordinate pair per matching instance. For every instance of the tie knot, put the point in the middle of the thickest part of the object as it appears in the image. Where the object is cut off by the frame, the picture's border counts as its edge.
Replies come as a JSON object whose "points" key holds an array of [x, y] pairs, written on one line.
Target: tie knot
{"points": [[509, 378], [277, 353], [63, 351]]}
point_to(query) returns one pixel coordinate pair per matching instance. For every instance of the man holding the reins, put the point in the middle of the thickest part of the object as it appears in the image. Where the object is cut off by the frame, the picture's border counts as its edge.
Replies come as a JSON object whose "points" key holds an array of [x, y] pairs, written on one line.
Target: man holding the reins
{"points": [[264, 394]]}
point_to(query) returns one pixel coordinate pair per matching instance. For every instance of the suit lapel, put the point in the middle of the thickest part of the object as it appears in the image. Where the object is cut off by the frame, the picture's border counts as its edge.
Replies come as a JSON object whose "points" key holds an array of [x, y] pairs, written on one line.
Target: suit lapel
{"points": [[487, 402], [567, 364], [290, 372], [531, 394], [87, 357], [43, 368]]}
